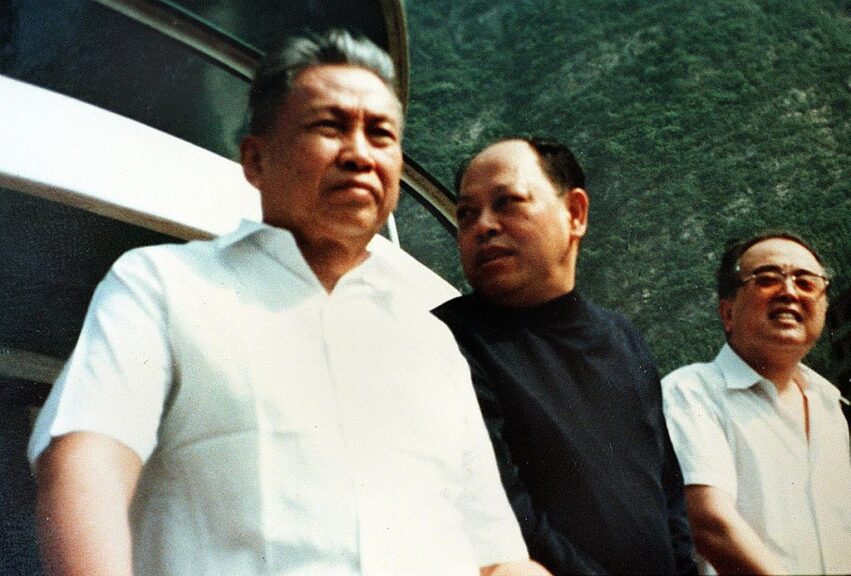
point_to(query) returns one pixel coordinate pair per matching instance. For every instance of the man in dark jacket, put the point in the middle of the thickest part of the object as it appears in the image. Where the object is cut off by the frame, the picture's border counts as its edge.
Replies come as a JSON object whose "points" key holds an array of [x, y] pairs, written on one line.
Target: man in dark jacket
{"points": [[569, 391]]}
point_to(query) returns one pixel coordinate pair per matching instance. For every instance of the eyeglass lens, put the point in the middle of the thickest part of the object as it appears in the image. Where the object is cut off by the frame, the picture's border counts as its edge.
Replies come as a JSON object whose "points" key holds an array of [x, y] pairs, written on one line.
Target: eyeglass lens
{"points": [[807, 284]]}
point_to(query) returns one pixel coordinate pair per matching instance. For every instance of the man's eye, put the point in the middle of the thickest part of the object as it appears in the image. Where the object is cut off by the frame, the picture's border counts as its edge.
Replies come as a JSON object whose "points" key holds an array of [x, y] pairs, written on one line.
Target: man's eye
{"points": [[506, 201], [327, 124], [805, 283], [384, 132], [767, 279], [464, 215]]}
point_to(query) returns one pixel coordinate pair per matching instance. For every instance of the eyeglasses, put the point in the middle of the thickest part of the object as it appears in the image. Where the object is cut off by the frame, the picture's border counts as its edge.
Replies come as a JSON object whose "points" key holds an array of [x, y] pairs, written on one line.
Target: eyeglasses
{"points": [[769, 281]]}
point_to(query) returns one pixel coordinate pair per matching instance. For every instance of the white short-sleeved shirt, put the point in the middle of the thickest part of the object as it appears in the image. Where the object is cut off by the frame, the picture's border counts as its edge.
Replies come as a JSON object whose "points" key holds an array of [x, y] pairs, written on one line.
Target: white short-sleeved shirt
{"points": [[285, 430], [730, 431]]}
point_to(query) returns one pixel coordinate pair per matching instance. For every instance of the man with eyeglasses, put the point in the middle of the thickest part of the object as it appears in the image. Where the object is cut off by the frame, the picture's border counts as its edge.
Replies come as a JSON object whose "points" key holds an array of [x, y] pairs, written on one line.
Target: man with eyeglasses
{"points": [[761, 438]]}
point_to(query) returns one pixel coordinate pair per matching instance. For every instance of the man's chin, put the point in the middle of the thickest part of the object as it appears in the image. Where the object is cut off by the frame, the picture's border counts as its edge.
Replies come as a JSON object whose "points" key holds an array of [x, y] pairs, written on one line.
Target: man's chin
{"points": [[792, 338], [497, 287], [349, 222]]}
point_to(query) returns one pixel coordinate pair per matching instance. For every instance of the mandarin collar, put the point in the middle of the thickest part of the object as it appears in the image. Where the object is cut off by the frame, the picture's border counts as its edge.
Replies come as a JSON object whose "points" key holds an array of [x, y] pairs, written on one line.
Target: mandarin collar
{"points": [[571, 306]]}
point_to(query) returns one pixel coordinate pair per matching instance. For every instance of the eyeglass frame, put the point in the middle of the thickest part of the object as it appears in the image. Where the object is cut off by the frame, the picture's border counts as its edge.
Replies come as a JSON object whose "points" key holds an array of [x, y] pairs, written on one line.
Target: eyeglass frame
{"points": [[785, 273]]}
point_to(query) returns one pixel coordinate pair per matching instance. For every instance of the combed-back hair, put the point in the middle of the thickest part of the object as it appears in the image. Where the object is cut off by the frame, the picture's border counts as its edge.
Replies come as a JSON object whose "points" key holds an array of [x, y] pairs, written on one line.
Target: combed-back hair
{"points": [[278, 69], [557, 161], [727, 274]]}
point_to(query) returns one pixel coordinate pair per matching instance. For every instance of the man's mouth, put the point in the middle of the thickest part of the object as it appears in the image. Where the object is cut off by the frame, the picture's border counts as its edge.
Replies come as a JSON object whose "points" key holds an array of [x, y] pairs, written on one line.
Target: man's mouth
{"points": [[356, 185], [787, 314], [491, 253]]}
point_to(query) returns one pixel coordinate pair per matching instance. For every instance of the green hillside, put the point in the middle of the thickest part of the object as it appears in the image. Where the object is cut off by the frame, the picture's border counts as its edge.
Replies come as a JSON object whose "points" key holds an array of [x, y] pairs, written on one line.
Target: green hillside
{"points": [[695, 122]]}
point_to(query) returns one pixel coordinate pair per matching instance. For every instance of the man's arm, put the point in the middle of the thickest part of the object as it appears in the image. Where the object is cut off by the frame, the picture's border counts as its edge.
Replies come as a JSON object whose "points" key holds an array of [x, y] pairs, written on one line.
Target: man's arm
{"points": [[672, 483], [86, 482], [678, 524], [545, 544], [723, 537]]}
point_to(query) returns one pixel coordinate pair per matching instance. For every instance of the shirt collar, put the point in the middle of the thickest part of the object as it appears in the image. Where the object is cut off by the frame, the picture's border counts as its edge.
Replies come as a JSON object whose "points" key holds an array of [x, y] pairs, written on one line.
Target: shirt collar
{"points": [[813, 379], [570, 306], [738, 375], [381, 273], [245, 229]]}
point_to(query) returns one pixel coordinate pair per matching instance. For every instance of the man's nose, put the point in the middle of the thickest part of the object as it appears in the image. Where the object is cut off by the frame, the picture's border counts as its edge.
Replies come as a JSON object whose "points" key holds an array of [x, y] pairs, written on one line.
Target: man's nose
{"points": [[787, 287], [356, 152], [487, 225]]}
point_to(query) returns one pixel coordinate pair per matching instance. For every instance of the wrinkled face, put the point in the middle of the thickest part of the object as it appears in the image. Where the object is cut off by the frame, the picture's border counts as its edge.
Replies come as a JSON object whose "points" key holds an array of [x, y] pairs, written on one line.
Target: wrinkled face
{"points": [[330, 168], [517, 236], [777, 320]]}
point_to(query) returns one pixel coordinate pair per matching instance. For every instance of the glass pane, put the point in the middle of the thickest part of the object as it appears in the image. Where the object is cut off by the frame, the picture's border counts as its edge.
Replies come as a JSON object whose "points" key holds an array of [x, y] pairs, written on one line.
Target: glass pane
{"points": [[104, 58], [261, 23], [53, 257], [422, 235]]}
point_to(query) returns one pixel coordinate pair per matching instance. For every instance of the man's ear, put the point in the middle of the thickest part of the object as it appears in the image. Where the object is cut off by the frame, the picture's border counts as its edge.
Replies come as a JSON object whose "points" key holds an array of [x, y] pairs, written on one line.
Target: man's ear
{"points": [[725, 312], [576, 200], [251, 157]]}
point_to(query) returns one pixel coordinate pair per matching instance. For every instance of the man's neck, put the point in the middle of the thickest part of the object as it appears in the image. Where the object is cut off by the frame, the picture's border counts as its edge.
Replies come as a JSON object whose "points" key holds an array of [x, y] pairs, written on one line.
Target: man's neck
{"points": [[330, 259], [781, 367]]}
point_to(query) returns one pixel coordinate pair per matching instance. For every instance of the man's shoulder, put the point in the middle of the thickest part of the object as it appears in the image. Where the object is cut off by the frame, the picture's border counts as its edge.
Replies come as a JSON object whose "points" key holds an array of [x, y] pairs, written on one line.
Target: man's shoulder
{"points": [[180, 267], [603, 316], [457, 316], [475, 324], [148, 257], [820, 384], [617, 327], [696, 377], [423, 287], [693, 393], [453, 309], [615, 318], [159, 255]]}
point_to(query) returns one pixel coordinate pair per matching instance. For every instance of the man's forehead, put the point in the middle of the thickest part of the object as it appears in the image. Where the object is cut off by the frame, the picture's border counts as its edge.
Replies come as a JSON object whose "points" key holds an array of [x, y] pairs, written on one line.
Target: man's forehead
{"points": [[373, 111], [508, 153], [500, 166], [345, 88], [479, 190], [779, 252]]}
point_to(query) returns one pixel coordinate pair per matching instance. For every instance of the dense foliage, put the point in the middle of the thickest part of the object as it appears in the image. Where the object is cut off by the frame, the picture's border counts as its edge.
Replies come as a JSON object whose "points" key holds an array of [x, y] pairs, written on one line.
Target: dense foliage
{"points": [[695, 122]]}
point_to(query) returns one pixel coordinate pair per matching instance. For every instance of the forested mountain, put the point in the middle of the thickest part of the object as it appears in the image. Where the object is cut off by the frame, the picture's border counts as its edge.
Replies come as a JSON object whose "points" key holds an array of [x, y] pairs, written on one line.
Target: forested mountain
{"points": [[695, 122]]}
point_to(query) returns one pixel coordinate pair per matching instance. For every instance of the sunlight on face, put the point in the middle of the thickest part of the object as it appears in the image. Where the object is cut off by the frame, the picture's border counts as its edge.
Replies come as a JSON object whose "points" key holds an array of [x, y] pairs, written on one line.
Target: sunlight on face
{"points": [[330, 168], [515, 231]]}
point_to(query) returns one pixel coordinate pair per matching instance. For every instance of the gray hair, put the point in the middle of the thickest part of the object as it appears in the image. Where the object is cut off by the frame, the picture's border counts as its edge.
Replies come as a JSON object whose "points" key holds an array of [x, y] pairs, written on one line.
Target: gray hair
{"points": [[277, 71]]}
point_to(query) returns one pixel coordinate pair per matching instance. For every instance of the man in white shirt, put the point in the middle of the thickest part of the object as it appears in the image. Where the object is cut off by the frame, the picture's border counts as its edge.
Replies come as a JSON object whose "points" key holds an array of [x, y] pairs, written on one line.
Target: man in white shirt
{"points": [[761, 438], [279, 400]]}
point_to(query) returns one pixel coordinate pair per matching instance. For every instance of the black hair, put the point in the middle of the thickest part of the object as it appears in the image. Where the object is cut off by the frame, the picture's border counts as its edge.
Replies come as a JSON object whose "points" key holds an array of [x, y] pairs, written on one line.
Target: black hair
{"points": [[728, 273], [557, 161]]}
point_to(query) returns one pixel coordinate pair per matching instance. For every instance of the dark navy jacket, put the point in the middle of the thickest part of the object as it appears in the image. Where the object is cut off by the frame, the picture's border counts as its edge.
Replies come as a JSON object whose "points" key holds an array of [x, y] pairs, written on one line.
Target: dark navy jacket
{"points": [[571, 397]]}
